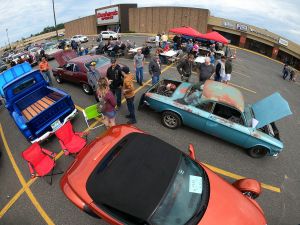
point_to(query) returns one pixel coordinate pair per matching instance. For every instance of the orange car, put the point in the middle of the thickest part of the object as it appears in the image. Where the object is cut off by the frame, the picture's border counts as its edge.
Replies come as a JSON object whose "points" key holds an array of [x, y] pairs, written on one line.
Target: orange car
{"points": [[129, 177]]}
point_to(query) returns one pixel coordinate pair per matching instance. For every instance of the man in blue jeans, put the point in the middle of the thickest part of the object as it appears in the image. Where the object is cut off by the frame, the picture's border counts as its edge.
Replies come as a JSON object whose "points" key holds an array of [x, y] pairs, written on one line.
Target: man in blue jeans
{"points": [[115, 77], [154, 69], [139, 66]]}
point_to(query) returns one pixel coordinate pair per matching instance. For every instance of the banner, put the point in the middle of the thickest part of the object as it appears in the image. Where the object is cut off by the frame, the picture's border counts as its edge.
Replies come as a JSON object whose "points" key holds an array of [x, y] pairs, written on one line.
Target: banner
{"points": [[107, 16]]}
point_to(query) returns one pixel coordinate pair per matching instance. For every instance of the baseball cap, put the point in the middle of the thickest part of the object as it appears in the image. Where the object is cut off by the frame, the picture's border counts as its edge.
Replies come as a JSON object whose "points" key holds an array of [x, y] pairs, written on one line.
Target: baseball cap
{"points": [[93, 63], [126, 69], [113, 60]]}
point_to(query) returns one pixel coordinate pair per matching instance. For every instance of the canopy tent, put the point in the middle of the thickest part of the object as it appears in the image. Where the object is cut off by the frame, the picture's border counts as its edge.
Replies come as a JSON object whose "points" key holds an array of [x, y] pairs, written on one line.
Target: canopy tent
{"points": [[214, 36], [189, 31]]}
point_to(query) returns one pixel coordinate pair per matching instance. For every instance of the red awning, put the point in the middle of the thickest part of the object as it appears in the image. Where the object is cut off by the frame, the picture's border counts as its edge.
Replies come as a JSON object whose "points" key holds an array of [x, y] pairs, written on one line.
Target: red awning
{"points": [[214, 36], [189, 31]]}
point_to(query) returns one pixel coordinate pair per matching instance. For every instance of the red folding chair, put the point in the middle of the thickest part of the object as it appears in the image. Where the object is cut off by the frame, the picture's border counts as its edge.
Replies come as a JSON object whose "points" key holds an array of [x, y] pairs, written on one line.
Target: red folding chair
{"points": [[40, 161], [70, 141]]}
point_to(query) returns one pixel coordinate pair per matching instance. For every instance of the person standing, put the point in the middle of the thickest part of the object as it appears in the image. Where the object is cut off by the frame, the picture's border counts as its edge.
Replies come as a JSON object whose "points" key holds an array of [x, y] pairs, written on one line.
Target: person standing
{"points": [[206, 70], [220, 69], [292, 75], [106, 103], [185, 68], [45, 70], [285, 71], [164, 39], [228, 70], [115, 77], [157, 40], [138, 63], [128, 91], [93, 76], [155, 69]]}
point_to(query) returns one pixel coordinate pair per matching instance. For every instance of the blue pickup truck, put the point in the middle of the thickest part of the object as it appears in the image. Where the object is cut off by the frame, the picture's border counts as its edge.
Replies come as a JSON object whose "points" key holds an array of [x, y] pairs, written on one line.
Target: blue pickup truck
{"points": [[37, 109]]}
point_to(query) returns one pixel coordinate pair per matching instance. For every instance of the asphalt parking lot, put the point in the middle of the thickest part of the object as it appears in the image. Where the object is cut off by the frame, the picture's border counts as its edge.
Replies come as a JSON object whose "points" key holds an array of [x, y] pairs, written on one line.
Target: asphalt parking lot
{"points": [[34, 202]]}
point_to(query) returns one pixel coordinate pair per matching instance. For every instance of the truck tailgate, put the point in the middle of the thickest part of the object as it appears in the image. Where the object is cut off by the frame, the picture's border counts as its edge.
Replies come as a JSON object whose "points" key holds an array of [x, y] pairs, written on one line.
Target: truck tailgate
{"points": [[41, 123]]}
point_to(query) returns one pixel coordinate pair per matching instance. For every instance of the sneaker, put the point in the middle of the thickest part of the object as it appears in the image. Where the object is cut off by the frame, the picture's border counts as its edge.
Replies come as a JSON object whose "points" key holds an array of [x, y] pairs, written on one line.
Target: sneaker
{"points": [[127, 116], [131, 121], [141, 84]]}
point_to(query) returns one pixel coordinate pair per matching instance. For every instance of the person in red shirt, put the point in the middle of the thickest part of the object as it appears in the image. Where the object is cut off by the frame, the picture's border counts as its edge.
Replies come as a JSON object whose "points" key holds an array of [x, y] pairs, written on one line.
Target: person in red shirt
{"points": [[45, 70]]}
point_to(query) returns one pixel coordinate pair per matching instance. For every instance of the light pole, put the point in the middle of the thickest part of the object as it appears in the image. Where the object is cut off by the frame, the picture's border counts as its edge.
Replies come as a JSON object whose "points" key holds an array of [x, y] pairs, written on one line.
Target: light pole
{"points": [[54, 18], [8, 38]]}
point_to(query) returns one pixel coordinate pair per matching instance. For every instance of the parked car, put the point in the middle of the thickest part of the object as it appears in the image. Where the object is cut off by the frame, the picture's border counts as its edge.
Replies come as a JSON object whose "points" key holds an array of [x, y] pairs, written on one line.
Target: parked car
{"points": [[219, 109], [3, 66], [37, 109], [110, 35], [74, 69], [50, 49], [61, 35], [129, 177], [80, 38]]}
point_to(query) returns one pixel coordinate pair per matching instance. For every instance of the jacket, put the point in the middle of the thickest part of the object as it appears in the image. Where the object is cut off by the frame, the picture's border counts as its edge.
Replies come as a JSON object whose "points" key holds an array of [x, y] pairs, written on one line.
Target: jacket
{"points": [[154, 67], [228, 67], [128, 86], [110, 102], [116, 76], [185, 68]]}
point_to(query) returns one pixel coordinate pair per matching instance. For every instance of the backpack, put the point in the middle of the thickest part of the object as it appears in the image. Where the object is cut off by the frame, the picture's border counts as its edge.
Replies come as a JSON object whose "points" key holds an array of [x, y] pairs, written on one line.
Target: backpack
{"points": [[101, 104]]}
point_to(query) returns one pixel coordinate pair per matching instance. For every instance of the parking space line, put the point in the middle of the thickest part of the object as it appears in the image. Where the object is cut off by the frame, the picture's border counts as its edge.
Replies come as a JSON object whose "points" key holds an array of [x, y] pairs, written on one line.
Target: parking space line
{"points": [[237, 177], [241, 87], [241, 74], [31, 181], [23, 182]]}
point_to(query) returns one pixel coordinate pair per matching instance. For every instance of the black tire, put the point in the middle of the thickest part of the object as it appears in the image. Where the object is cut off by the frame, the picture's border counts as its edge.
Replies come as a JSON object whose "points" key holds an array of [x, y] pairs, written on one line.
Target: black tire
{"points": [[58, 79], [87, 89], [257, 152], [171, 120]]}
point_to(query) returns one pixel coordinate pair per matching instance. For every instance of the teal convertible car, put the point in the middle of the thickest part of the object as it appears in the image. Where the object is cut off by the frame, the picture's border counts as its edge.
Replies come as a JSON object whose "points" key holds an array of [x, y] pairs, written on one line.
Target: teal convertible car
{"points": [[219, 109]]}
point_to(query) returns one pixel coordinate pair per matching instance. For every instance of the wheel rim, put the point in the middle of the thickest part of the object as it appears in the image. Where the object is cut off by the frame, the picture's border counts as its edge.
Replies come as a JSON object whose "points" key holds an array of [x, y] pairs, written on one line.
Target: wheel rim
{"points": [[58, 79], [170, 121], [86, 88]]}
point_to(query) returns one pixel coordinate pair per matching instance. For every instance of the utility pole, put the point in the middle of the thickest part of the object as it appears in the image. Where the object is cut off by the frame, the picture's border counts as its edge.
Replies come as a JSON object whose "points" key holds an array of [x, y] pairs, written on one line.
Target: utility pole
{"points": [[8, 38], [54, 19]]}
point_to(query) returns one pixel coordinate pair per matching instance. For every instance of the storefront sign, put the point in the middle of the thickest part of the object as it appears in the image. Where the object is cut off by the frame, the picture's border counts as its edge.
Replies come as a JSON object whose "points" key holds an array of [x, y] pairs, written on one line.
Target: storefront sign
{"points": [[108, 15], [228, 24], [241, 27], [283, 42]]}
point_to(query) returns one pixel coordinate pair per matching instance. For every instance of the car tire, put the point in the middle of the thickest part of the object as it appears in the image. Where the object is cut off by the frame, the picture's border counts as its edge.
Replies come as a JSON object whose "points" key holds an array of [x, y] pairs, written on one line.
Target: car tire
{"points": [[257, 152], [111, 38], [58, 79], [87, 89], [171, 120]]}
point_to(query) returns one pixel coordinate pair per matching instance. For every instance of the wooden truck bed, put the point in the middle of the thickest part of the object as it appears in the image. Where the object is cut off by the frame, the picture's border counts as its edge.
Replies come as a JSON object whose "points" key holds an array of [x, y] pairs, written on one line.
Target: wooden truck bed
{"points": [[40, 105]]}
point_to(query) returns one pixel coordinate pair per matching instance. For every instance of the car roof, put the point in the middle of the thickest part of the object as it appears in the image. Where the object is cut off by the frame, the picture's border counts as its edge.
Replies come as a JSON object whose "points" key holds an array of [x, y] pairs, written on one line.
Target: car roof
{"points": [[224, 93], [135, 178]]}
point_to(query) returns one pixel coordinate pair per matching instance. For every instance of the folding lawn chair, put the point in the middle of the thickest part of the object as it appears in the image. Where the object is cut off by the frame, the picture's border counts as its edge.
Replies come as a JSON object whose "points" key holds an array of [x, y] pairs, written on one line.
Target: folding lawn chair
{"points": [[70, 141], [40, 161], [91, 113]]}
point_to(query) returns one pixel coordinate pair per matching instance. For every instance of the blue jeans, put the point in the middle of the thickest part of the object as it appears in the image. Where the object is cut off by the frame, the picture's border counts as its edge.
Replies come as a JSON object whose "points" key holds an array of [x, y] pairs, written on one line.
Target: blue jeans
{"points": [[117, 93], [155, 79], [130, 106], [164, 43], [47, 77], [139, 73]]}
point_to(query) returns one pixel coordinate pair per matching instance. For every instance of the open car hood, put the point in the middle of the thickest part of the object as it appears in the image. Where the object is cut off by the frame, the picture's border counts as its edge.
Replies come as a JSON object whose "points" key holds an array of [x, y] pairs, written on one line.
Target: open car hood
{"points": [[270, 109], [63, 56], [13, 73]]}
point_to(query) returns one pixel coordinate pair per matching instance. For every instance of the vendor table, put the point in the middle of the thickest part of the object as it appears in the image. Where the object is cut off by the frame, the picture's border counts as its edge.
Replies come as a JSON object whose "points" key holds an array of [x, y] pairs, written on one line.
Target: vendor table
{"points": [[134, 50], [170, 53]]}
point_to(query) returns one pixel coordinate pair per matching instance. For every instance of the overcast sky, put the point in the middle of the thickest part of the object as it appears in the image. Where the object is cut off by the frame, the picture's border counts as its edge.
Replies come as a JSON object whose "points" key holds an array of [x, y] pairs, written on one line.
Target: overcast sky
{"points": [[25, 17]]}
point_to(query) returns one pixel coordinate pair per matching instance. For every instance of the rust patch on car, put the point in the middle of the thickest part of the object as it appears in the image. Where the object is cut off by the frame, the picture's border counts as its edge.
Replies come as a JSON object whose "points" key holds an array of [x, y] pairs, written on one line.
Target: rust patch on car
{"points": [[183, 90]]}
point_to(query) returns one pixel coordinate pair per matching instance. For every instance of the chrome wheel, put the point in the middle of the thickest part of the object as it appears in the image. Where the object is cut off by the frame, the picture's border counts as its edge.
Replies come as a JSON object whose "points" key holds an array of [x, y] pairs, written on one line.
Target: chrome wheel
{"points": [[171, 120], [87, 89]]}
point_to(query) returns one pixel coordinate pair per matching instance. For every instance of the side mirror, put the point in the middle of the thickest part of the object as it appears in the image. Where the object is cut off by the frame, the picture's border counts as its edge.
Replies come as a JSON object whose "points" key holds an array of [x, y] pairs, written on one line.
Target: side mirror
{"points": [[192, 151], [249, 187]]}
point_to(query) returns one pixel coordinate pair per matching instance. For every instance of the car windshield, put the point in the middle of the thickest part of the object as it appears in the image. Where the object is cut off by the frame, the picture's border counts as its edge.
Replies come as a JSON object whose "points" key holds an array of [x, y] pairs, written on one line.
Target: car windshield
{"points": [[49, 46], [99, 62], [193, 96], [186, 198]]}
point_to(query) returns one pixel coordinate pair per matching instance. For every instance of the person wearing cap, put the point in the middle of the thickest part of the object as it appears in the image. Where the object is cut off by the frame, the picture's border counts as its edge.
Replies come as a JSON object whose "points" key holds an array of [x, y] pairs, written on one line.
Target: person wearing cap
{"points": [[93, 76], [185, 67], [128, 91], [138, 63], [115, 77], [206, 70]]}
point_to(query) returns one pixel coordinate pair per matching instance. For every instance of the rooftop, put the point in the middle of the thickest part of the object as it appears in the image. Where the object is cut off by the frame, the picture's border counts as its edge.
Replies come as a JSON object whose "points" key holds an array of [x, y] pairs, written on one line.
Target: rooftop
{"points": [[224, 93]]}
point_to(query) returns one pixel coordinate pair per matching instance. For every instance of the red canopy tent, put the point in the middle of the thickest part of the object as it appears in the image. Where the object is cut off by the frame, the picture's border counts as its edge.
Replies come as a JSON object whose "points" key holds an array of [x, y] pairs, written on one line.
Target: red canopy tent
{"points": [[214, 36], [189, 31]]}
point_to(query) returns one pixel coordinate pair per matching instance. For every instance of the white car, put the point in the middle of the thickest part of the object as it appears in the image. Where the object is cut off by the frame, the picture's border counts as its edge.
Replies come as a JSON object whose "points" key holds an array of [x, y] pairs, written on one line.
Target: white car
{"points": [[110, 35], [80, 38]]}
